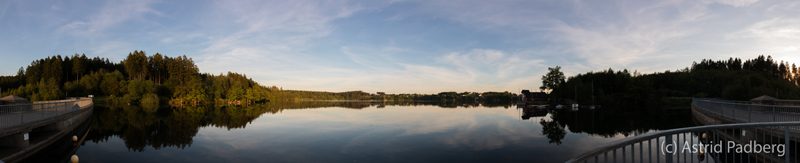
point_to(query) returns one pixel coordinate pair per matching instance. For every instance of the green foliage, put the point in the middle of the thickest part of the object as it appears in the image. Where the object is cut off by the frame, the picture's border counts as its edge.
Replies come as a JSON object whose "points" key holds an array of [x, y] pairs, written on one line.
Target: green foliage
{"points": [[136, 65], [112, 84], [79, 65], [190, 92], [49, 90], [149, 102], [138, 88], [552, 79], [177, 80], [90, 83]]}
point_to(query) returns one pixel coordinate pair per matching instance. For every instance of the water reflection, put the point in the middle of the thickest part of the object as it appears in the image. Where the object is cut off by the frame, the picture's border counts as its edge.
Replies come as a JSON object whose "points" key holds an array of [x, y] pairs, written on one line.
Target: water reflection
{"points": [[553, 131], [528, 113], [605, 123], [346, 132], [609, 122], [170, 127]]}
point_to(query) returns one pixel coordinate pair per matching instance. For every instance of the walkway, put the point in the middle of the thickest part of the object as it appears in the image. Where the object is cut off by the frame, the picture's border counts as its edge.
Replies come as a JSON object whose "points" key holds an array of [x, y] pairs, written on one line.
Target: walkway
{"points": [[743, 112], [20, 114], [28, 128]]}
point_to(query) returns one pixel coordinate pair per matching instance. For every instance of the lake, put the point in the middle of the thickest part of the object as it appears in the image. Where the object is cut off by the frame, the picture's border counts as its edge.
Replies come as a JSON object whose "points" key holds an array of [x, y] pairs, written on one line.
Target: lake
{"points": [[358, 132]]}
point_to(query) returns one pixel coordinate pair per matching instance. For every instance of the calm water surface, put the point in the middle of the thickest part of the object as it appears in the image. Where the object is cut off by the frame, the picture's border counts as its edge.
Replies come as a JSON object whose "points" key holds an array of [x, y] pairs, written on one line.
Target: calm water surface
{"points": [[357, 133]]}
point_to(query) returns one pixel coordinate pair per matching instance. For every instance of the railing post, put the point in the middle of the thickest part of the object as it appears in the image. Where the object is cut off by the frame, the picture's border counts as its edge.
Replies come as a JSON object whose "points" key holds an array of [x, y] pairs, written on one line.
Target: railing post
{"points": [[786, 144], [668, 157], [749, 113], [773, 114], [733, 110], [623, 154], [722, 112]]}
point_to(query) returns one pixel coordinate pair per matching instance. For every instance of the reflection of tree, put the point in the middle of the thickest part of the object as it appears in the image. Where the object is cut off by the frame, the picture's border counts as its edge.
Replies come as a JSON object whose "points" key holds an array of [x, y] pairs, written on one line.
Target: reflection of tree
{"points": [[175, 127], [553, 131], [139, 128], [609, 122], [528, 113]]}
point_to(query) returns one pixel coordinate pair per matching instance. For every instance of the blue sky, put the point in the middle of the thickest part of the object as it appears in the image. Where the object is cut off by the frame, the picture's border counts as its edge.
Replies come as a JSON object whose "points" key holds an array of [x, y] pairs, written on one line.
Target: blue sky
{"points": [[404, 46]]}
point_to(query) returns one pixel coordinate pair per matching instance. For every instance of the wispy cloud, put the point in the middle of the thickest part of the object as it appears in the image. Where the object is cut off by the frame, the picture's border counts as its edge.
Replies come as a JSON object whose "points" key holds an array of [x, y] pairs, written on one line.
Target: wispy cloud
{"points": [[635, 33], [407, 45], [777, 36], [492, 66], [736, 3], [111, 14], [272, 34], [603, 34]]}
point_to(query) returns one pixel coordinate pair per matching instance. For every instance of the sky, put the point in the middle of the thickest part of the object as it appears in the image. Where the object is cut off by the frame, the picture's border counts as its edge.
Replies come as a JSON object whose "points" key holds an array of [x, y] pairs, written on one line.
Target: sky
{"points": [[404, 46]]}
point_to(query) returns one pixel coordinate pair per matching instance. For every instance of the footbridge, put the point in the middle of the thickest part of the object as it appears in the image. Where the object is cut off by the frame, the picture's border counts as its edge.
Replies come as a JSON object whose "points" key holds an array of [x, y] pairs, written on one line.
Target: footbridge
{"points": [[28, 128]]}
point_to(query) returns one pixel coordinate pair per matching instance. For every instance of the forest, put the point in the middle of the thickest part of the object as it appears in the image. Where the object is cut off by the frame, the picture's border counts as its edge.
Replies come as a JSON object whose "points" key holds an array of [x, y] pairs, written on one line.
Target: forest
{"points": [[152, 80], [733, 79]]}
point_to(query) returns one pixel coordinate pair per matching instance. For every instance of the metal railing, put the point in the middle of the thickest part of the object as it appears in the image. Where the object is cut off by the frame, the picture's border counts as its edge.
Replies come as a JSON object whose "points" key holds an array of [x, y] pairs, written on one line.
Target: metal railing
{"points": [[742, 111], [755, 123], [670, 145], [19, 114]]}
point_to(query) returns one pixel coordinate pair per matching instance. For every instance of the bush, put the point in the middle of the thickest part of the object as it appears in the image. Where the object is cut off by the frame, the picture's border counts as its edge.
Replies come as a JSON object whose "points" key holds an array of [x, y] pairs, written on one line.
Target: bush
{"points": [[149, 102]]}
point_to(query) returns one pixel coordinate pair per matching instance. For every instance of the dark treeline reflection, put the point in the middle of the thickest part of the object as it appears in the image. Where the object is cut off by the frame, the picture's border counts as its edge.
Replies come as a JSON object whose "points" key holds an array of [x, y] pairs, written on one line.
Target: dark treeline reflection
{"points": [[609, 123], [168, 127], [382, 104]]}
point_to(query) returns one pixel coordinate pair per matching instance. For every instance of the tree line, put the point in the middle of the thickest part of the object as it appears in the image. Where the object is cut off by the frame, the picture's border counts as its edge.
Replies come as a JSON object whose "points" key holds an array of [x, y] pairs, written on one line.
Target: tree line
{"points": [[486, 98], [138, 79], [734, 79], [151, 80]]}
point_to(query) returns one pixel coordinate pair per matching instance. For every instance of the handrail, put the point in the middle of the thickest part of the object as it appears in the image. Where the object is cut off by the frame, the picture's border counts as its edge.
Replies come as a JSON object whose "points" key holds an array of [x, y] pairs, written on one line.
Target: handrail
{"points": [[743, 112], [653, 135], [760, 119], [19, 114], [719, 101]]}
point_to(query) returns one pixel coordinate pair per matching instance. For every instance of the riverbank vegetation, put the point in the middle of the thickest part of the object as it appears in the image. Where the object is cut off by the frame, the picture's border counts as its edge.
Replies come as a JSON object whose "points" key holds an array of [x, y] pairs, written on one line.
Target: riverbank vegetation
{"points": [[734, 79], [152, 80]]}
